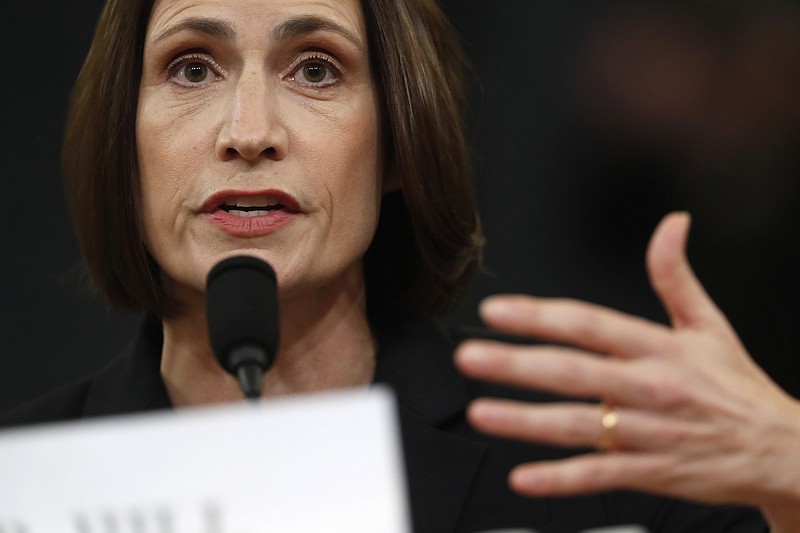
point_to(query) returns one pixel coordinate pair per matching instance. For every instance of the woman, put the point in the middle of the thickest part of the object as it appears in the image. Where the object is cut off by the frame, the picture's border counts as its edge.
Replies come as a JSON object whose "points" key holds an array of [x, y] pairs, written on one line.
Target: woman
{"points": [[325, 138], [286, 149]]}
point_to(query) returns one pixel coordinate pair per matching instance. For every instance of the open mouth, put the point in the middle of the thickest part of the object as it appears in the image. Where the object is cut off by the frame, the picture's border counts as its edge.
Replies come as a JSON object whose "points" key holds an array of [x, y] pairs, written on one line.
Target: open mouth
{"points": [[251, 206]]}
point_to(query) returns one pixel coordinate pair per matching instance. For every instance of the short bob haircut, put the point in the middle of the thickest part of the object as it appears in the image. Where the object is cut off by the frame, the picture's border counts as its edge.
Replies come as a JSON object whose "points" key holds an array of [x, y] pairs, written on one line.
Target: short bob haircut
{"points": [[428, 240]]}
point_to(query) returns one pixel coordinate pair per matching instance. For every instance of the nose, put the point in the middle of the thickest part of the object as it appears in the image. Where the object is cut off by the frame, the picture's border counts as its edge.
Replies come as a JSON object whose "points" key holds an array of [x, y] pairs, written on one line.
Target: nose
{"points": [[252, 130]]}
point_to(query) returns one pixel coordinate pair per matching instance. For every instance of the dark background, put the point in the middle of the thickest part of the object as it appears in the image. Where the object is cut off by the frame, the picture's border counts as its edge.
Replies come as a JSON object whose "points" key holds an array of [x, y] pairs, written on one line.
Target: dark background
{"points": [[590, 120]]}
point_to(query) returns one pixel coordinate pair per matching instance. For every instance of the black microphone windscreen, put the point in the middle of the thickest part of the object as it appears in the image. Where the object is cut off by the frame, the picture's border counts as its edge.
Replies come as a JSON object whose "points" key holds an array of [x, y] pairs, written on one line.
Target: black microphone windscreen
{"points": [[242, 308]]}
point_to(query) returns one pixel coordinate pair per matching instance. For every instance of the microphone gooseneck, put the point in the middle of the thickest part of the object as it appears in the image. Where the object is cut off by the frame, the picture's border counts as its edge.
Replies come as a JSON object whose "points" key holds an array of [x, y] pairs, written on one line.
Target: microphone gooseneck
{"points": [[243, 323]]}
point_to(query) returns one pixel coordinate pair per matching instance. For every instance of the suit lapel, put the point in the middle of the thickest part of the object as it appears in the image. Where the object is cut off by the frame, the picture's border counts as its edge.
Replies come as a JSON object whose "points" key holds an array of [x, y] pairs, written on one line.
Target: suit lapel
{"points": [[441, 468], [415, 358], [132, 382]]}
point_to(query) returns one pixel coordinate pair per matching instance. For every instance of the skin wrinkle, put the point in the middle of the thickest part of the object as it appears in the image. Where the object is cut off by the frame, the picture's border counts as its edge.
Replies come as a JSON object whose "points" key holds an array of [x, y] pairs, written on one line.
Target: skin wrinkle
{"points": [[215, 28], [287, 30], [300, 26], [196, 141]]}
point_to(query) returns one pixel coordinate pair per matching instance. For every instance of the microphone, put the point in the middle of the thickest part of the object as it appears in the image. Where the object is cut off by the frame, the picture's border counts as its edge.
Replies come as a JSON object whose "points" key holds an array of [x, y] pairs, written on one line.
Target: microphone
{"points": [[242, 313]]}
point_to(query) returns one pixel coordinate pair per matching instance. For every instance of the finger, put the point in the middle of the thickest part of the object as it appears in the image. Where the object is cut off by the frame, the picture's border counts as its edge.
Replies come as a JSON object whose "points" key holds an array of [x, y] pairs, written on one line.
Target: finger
{"points": [[547, 368], [560, 424], [673, 279], [574, 322], [590, 473], [558, 370], [579, 425]]}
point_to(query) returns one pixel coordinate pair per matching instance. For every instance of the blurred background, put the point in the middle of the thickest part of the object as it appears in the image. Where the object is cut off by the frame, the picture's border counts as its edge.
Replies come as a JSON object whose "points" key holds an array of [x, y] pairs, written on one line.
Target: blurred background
{"points": [[589, 120]]}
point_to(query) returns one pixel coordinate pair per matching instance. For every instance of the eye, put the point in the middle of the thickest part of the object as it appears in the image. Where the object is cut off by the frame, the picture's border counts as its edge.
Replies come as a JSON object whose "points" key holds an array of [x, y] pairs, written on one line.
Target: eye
{"points": [[316, 70], [195, 72], [194, 69]]}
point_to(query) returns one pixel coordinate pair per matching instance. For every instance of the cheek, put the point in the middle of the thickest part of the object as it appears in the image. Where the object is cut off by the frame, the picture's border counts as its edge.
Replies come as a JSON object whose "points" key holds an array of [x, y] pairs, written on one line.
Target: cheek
{"points": [[169, 159], [358, 191], [158, 185]]}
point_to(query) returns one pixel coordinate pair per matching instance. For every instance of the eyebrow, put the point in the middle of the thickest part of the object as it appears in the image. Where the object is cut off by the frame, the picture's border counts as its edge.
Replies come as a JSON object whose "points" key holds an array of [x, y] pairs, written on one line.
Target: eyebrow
{"points": [[303, 25], [289, 29], [213, 27]]}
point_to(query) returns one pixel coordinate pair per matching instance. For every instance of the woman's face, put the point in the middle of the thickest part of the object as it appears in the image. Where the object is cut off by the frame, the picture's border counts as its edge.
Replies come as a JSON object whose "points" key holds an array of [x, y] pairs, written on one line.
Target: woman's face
{"points": [[258, 133]]}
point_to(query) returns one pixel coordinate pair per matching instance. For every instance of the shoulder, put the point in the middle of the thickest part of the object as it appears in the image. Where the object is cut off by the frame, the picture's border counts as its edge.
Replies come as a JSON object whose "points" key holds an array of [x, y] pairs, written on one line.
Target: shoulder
{"points": [[131, 382], [416, 357], [458, 476], [64, 403]]}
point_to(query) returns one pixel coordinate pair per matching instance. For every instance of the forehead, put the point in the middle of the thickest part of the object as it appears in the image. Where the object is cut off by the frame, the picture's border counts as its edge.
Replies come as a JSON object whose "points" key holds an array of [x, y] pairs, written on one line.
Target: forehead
{"points": [[262, 13]]}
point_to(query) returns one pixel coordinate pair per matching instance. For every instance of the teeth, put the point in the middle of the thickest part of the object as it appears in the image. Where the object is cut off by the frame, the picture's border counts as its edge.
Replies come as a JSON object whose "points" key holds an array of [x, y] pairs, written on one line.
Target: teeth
{"points": [[246, 214], [252, 201], [251, 206]]}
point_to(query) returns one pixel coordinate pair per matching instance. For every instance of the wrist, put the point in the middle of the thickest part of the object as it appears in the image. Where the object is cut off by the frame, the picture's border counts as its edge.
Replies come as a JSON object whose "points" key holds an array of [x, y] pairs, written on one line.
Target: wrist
{"points": [[781, 506]]}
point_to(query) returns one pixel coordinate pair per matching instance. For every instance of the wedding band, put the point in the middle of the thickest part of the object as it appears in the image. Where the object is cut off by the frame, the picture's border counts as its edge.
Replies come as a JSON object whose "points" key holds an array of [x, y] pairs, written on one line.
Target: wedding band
{"points": [[609, 421]]}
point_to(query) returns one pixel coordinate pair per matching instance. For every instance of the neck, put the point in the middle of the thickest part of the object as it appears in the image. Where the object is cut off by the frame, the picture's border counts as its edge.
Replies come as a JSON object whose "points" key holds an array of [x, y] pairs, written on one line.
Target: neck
{"points": [[326, 343]]}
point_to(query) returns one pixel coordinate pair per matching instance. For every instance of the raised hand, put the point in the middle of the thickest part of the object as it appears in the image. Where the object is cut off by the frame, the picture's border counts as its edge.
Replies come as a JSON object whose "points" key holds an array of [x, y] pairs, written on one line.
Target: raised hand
{"points": [[684, 410]]}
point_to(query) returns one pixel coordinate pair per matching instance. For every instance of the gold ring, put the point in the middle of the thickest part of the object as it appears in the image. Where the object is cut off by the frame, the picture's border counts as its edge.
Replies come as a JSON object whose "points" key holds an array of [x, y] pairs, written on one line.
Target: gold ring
{"points": [[609, 421]]}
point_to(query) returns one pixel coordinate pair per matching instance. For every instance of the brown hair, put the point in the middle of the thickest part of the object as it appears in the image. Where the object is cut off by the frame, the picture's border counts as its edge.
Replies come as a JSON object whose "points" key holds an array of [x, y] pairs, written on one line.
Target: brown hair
{"points": [[428, 240]]}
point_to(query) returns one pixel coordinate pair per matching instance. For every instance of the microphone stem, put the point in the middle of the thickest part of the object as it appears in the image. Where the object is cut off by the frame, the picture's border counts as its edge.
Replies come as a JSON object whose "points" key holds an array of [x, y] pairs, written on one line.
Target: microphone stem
{"points": [[249, 375]]}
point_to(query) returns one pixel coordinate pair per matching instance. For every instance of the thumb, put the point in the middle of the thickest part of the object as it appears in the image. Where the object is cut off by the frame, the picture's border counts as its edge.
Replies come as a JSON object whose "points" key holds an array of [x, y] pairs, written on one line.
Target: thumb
{"points": [[673, 280]]}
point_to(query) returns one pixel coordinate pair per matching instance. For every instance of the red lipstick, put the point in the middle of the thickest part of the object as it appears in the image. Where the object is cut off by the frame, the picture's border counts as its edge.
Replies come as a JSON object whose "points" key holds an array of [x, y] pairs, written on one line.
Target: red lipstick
{"points": [[251, 213]]}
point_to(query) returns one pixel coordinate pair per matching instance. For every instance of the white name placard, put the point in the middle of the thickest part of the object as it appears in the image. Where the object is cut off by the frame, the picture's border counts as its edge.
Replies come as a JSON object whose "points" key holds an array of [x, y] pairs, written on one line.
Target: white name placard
{"points": [[325, 462]]}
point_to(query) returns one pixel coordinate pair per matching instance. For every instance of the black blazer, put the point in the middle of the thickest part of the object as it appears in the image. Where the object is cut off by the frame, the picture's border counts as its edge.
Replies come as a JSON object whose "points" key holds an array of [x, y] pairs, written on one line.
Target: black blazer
{"points": [[456, 476]]}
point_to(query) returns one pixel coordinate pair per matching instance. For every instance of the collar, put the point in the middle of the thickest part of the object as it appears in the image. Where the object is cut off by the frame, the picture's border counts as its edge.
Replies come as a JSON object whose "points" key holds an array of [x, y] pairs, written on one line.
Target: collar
{"points": [[132, 382], [414, 359]]}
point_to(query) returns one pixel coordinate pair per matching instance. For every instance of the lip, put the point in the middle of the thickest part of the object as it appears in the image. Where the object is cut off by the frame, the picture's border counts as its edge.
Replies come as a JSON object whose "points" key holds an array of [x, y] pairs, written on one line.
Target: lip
{"points": [[251, 226]]}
